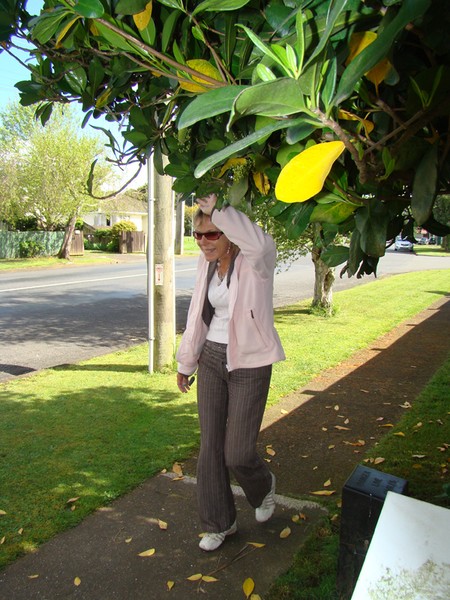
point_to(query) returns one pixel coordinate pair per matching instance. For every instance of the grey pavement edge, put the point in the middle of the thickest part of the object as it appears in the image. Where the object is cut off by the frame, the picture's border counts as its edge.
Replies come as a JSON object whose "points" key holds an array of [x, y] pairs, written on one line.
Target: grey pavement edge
{"points": [[99, 559]]}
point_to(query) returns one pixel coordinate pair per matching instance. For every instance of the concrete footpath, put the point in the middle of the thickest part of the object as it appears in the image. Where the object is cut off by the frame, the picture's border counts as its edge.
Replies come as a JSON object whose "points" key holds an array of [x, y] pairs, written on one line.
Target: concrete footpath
{"points": [[100, 558]]}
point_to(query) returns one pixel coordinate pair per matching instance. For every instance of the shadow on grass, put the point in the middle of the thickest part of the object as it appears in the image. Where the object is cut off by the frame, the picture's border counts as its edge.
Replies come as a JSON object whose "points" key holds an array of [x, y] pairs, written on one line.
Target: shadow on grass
{"points": [[93, 443]]}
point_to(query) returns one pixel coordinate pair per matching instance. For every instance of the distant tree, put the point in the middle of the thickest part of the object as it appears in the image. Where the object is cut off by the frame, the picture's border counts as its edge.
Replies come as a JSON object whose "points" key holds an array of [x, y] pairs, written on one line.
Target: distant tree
{"points": [[45, 169]]}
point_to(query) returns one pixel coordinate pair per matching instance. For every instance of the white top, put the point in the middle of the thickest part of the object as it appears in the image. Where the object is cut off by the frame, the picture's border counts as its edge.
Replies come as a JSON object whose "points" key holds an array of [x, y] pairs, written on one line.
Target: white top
{"points": [[219, 297]]}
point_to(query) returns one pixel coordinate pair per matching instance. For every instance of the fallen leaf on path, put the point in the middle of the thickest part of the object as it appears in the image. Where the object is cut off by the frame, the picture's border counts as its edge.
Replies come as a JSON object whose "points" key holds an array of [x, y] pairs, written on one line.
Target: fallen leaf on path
{"points": [[405, 405], [77, 581], [327, 483], [331, 446], [256, 544], [341, 428], [128, 540], [170, 585], [270, 451], [176, 468], [299, 517], [387, 425], [149, 552], [209, 578], [255, 597], [162, 524], [285, 533], [248, 586], [195, 577], [324, 492], [35, 576]]}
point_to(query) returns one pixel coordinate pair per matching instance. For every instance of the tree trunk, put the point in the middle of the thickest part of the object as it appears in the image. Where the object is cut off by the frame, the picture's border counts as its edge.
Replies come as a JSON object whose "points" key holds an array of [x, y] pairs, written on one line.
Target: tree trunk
{"points": [[323, 283], [64, 251], [164, 293]]}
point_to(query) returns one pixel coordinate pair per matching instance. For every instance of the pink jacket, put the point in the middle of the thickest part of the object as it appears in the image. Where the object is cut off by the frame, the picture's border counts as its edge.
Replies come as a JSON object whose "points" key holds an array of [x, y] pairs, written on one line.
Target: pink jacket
{"points": [[252, 338]]}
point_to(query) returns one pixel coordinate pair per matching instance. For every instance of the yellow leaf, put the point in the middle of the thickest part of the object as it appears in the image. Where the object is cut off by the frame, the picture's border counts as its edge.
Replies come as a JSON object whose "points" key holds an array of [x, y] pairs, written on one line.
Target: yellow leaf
{"points": [[20, 531], [324, 492], [142, 19], [379, 460], [327, 483], [128, 540], [35, 576], [2, 541], [347, 116], [270, 451], [399, 433], [387, 425], [331, 446], [342, 428], [176, 468], [209, 578], [162, 524], [149, 552], [358, 42], [285, 533], [195, 577], [255, 597], [261, 182], [256, 544], [64, 31], [205, 68], [304, 175], [336, 407], [77, 581], [231, 162], [248, 586], [2, 512], [170, 585]]}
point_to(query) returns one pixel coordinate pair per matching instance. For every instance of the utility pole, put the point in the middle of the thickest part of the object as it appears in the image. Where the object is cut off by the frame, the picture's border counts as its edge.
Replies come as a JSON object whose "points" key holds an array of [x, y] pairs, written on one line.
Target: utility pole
{"points": [[164, 272]]}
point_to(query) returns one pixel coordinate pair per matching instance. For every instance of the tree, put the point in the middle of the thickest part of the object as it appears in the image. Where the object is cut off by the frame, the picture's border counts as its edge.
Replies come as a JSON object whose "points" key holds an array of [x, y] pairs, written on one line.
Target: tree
{"points": [[51, 168], [334, 112]]}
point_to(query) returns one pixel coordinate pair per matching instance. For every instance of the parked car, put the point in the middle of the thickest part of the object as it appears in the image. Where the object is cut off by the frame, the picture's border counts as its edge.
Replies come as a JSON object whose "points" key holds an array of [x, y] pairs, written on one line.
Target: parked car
{"points": [[423, 241], [401, 244]]}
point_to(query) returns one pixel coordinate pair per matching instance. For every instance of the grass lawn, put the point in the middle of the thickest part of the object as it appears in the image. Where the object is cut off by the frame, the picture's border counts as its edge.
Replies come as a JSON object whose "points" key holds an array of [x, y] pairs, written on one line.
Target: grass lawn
{"points": [[95, 430]]}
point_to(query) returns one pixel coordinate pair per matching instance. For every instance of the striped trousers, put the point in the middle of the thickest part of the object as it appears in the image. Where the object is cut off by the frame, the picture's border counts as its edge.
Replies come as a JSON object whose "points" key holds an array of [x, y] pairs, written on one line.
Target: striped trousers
{"points": [[230, 407]]}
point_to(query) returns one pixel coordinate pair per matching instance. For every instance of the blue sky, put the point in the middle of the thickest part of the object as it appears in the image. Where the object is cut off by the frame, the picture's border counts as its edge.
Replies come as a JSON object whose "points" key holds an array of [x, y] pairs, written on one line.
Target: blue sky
{"points": [[11, 71]]}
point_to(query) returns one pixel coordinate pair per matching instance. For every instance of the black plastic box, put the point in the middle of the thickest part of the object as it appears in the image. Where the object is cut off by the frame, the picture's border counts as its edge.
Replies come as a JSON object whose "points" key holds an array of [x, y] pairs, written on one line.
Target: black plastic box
{"points": [[363, 496]]}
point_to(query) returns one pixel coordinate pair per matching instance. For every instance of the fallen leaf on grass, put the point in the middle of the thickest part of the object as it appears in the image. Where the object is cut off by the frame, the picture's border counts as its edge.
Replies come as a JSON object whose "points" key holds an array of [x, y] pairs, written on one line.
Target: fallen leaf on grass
{"points": [[3, 512], [72, 500], [324, 492], [419, 456], [2, 541], [399, 433], [248, 586], [77, 581], [149, 552], [387, 425], [285, 533], [417, 425], [20, 531]]}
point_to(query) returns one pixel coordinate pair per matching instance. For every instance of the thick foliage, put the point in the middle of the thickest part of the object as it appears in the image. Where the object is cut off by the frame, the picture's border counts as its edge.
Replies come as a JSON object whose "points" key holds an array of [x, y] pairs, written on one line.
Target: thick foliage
{"points": [[232, 90]]}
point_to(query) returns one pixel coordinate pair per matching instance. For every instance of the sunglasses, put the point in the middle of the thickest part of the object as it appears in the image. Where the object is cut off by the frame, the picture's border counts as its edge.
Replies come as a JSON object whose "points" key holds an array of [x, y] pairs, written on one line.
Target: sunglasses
{"points": [[212, 236]]}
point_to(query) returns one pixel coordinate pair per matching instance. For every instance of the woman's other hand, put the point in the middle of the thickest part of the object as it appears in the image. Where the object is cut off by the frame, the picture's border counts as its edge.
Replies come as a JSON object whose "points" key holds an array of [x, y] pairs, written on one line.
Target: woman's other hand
{"points": [[183, 383], [207, 203]]}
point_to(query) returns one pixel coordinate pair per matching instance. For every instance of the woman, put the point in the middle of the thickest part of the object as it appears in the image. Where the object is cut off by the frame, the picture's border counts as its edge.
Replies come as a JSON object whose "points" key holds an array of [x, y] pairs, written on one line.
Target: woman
{"points": [[230, 338]]}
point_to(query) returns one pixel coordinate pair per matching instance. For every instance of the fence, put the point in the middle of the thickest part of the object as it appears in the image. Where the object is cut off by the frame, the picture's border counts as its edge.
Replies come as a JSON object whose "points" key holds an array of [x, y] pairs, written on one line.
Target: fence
{"points": [[131, 241], [50, 241]]}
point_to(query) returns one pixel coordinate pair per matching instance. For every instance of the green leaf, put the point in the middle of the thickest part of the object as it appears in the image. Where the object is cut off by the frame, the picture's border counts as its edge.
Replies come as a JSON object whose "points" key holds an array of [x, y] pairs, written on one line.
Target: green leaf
{"points": [[209, 104], [240, 145], [296, 218], [424, 186], [337, 8], [219, 5], [90, 9], [370, 56], [333, 256], [128, 7], [372, 223], [113, 38], [47, 24], [336, 212], [168, 29], [77, 79], [278, 98]]}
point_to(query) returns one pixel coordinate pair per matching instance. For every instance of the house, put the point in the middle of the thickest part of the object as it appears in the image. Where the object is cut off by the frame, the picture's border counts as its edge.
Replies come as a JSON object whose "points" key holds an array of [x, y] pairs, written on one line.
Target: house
{"points": [[125, 207]]}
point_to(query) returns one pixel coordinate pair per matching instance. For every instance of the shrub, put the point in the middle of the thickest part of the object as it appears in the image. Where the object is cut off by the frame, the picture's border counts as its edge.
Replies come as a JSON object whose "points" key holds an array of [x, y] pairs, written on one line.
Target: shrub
{"points": [[120, 226], [30, 249]]}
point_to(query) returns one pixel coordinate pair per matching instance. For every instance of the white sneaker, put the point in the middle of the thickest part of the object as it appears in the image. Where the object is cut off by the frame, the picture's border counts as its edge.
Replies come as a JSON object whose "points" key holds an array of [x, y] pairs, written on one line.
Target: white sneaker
{"points": [[211, 541], [267, 508]]}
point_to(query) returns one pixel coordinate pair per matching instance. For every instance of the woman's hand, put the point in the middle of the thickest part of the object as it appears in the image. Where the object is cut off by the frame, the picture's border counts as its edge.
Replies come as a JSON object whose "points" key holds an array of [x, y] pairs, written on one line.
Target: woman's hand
{"points": [[183, 383], [207, 204]]}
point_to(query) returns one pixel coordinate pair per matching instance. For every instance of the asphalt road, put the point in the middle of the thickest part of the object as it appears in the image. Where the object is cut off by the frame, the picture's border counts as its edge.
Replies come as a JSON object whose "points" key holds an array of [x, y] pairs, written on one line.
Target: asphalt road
{"points": [[50, 317]]}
